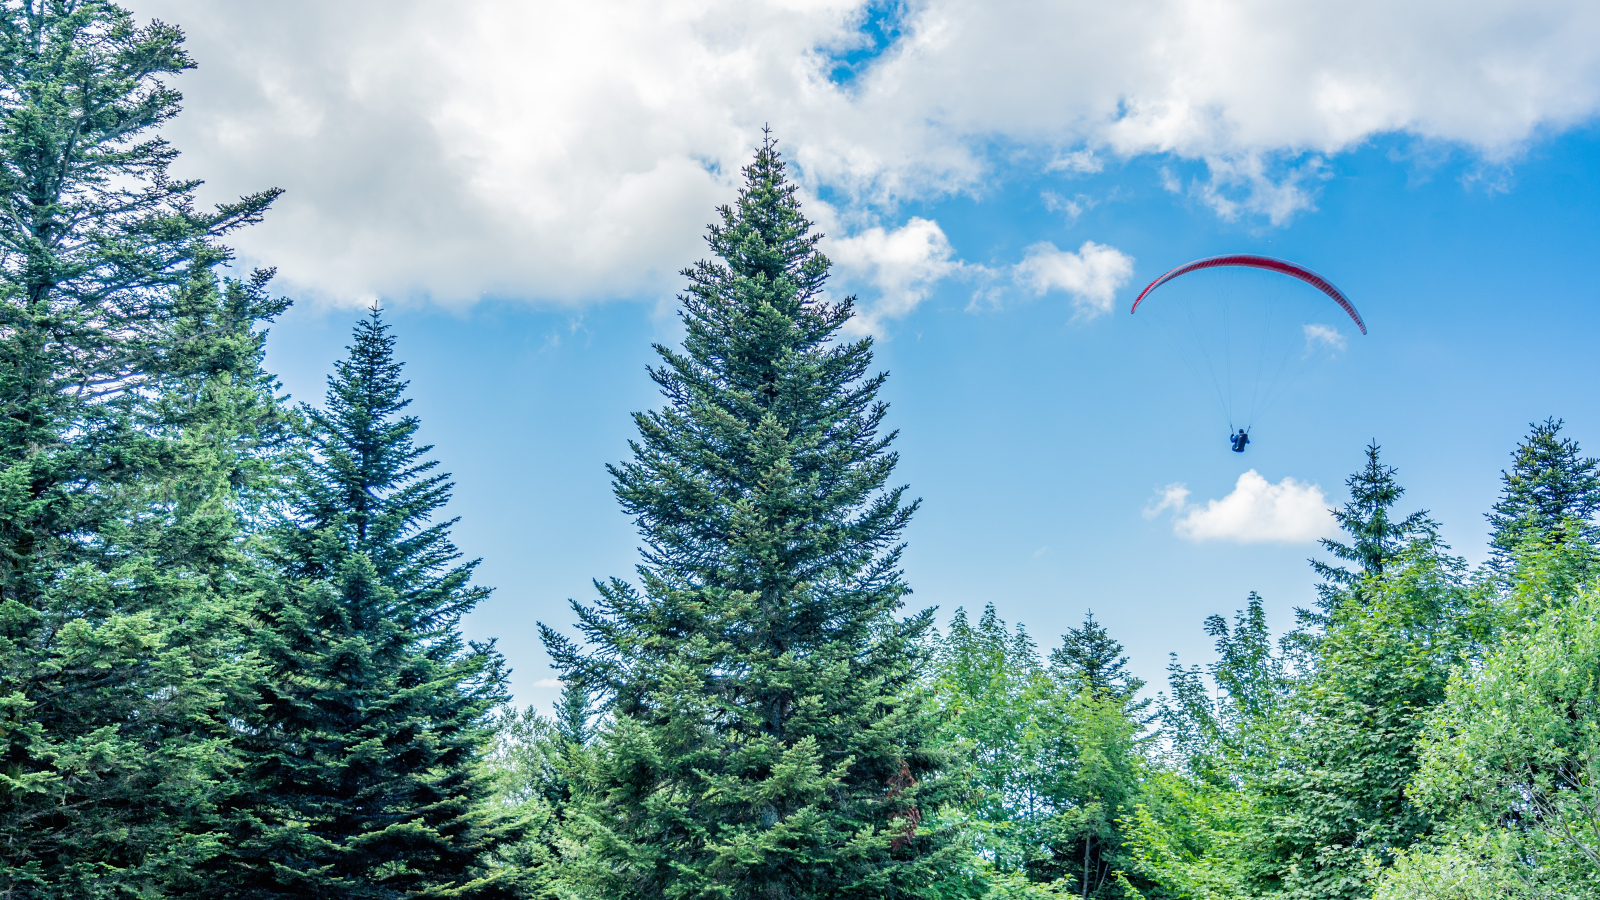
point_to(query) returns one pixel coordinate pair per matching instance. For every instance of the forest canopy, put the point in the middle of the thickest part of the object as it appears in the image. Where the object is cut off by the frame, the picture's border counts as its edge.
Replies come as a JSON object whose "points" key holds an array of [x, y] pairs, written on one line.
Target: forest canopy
{"points": [[232, 662]]}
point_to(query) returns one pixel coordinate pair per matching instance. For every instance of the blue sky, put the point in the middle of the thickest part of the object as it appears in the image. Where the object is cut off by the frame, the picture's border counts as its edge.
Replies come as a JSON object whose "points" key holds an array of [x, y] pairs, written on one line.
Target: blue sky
{"points": [[1039, 422]]}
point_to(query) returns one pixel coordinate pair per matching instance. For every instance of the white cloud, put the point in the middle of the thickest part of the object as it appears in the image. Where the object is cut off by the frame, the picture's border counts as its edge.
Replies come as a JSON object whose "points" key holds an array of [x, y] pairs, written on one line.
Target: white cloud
{"points": [[901, 264], [1174, 496], [1078, 162], [547, 683], [1251, 185], [1256, 512], [1091, 276], [1074, 207], [564, 152], [1325, 336]]}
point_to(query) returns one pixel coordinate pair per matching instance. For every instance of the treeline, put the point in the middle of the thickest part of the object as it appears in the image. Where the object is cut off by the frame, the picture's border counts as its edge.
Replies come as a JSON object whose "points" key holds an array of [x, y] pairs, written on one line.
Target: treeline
{"points": [[231, 663]]}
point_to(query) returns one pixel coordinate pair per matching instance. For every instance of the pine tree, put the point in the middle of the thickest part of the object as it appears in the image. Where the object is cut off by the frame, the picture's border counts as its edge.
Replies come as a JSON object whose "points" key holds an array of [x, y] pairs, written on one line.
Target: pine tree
{"points": [[1375, 540], [1091, 660], [108, 760], [1550, 485], [766, 738], [361, 769], [217, 434]]}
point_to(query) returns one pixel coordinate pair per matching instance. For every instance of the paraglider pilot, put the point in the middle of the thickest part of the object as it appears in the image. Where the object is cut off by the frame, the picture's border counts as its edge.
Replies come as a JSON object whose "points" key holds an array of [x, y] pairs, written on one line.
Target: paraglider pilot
{"points": [[1239, 440]]}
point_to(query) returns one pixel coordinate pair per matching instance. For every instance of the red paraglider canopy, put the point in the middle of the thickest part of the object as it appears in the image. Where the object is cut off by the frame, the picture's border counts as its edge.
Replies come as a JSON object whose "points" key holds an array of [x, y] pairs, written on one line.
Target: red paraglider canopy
{"points": [[1251, 261]]}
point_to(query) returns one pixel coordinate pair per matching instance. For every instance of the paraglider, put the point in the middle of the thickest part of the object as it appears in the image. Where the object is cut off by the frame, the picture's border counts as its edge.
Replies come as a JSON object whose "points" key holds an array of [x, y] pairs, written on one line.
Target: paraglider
{"points": [[1251, 261], [1249, 327]]}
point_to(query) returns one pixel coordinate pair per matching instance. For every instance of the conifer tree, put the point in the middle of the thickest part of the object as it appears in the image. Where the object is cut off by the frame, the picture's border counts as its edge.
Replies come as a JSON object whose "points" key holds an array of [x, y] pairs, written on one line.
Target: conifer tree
{"points": [[216, 434], [1330, 791], [766, 738], [1549, 485], [1092, 660], [1095, 719], [1375, 540], [361, 769], [109, 767]]}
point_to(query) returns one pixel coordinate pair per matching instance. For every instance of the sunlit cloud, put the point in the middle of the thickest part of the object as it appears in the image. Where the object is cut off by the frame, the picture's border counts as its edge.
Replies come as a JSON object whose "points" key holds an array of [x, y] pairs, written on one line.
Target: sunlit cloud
{"points": [[1173, 497], [571, 152], [902, 264], [1089, 277], [1255, 512]]}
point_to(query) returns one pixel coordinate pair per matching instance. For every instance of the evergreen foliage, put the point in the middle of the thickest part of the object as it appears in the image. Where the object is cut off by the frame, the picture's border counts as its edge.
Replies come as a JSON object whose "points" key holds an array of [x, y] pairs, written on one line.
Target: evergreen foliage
{"points": [[1375, 540], [1297, 774], [362, 766], [124, 371], [231, 660], [766, 734], [1550, 485], [1333, 794], [1091, 660]]}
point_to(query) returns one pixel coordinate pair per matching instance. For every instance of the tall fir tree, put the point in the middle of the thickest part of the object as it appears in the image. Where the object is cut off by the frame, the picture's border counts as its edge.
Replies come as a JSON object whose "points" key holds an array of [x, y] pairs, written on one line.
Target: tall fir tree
{"points": [[1376, 539], [108, 748], [1092, 660], [362, 776], [1329, 795], [766, 735], [218, 436], [1550, 488]]}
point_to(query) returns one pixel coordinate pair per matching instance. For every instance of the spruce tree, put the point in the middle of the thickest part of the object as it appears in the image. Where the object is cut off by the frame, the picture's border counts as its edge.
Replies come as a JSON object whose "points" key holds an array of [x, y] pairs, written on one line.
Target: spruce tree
{"points": [[765, 737], [1375, 539], [1092, 660], [217, 435], [1551, 486], [362, 777], [107, 685]]}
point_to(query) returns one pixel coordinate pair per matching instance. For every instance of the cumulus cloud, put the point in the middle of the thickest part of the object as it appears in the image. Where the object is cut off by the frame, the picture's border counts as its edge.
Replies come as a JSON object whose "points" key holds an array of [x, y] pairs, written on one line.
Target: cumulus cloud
{"points": [[1090, 277], [902, 265], [1323, 336], [569, 151], [1255, 512]]}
